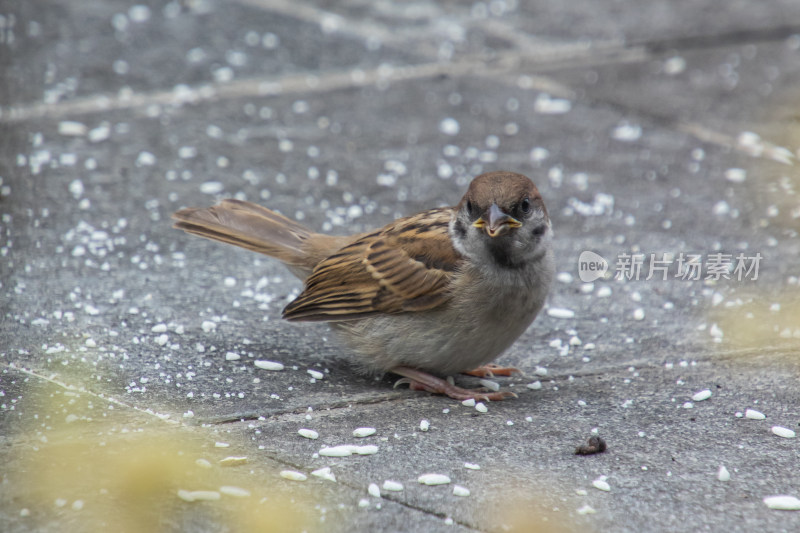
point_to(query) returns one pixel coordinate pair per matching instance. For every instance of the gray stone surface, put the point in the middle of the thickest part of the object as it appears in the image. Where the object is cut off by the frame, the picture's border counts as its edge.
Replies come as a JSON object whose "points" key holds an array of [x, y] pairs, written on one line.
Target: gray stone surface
{"points": [[114, 328]]}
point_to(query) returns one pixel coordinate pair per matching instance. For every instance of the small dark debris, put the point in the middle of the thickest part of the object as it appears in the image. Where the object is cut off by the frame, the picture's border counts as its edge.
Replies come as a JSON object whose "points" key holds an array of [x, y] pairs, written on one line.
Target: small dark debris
{"points": [[593, 446]]}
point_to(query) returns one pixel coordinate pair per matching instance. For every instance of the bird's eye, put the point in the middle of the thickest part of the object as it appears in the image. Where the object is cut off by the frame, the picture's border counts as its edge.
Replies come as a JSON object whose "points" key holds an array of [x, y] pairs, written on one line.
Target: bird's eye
{"points": [[471, 209], [525, 205]]}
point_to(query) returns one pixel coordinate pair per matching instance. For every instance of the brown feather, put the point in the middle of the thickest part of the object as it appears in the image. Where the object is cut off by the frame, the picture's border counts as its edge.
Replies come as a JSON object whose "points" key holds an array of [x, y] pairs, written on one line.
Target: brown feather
{"points": [[262, 230], [405, 267]]}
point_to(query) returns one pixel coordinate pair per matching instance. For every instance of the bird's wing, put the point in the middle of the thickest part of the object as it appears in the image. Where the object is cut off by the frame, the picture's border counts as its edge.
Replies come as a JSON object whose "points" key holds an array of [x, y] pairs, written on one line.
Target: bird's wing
{"points": [[405, 267]]}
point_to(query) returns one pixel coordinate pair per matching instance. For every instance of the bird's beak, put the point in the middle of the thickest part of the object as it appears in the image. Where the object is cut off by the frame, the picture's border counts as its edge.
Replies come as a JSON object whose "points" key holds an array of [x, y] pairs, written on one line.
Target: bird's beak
{"points": [[498, 222]]}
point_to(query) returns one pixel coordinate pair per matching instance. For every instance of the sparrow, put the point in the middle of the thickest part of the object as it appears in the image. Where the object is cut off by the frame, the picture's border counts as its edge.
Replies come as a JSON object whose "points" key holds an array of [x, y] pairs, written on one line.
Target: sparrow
{"points": [[441, 292]]}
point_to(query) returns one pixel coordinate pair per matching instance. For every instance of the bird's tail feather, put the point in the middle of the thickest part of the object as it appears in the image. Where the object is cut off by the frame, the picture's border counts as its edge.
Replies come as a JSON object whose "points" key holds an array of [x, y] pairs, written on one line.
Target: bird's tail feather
{"points": [[250, 226]]}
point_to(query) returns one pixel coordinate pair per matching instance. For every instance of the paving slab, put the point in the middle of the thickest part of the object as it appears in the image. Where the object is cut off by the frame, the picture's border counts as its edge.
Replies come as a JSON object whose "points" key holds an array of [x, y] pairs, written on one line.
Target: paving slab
{"points": [[666, 129]]}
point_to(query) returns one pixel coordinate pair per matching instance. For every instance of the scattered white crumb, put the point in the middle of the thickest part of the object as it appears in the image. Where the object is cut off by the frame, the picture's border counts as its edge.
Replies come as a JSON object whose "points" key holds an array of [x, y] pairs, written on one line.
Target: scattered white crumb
{"points": [[236, 492], [364, 432], [458, 490], [472, 466], [221, 445], [469, 402], [560, 312], [198, 495], [433, 479], [293, 475], [324, 473], [374, 490], [627, 132], [232, 356], [370, 449], [782, 503], [316, 374], [546, 105], [638, 314], [736, 175], [754, 415], [449, 126], [783, 432], [211, 187], [424, 425], [489, 384], [308, 433], [586, 509], [540, 371], [702, 395], [346, 450], [233, 461], [601, 484], [268, 365], [481, 407], [208, 326], [564, 277], [203, 463], [604, 291], [336, 451], [723, 474], [536, 385], [72, 128], [392, 486]]}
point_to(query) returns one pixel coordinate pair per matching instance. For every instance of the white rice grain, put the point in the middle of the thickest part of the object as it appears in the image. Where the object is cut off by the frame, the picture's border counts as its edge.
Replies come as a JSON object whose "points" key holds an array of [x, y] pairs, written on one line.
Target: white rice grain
{"points": [[489, 384], [324, 473], [308, 433], [364, 432], [337, 451], [458, 490], [293, 475], [560, 312], [782, 503], [268, 365], [601, 484], [233, 461], [236, 492], [392, 486], [433, 479], [783, 432], [198, 495], [702, 395]]}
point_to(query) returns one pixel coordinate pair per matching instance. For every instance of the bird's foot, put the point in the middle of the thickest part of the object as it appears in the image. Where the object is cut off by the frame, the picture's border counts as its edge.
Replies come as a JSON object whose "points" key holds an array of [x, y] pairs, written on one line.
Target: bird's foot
{"points": [[491, 370], [419, 380]]}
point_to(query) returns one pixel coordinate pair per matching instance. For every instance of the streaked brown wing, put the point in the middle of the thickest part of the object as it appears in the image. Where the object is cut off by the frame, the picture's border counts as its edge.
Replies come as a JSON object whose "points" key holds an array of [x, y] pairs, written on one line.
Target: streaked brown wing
{"points": [[405, 267]]}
